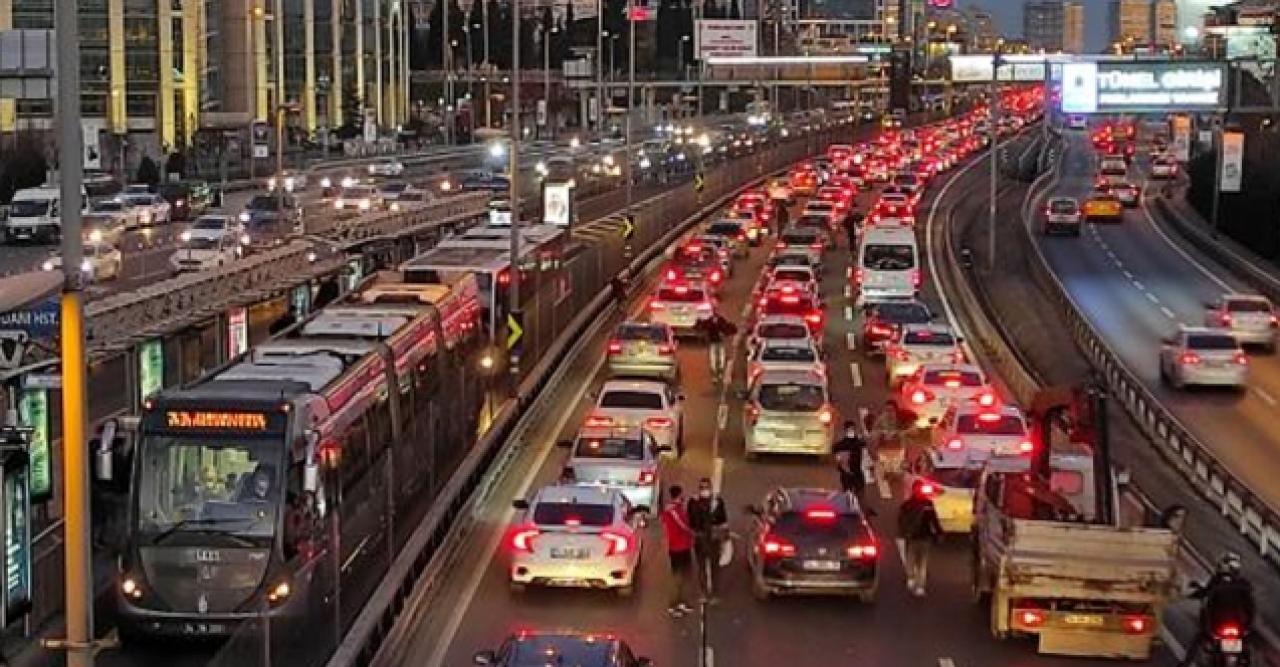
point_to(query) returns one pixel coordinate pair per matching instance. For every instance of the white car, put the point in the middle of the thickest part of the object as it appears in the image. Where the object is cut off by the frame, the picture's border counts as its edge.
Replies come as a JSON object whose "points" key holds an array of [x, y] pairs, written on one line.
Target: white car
{"points": [[919, 344], [111, 214], [391, 168], [358, 197], [1203, 356], [983, 431], [152, 208], [780, 328], [1062, 214], [681, 306], [932, 389], [787, 412], [625, 459], [214, 227], [651, 404], [206, 250], [101, 262], [780, 190], [1164, 167], [576, 536], [785, 355], [1249, 317]]}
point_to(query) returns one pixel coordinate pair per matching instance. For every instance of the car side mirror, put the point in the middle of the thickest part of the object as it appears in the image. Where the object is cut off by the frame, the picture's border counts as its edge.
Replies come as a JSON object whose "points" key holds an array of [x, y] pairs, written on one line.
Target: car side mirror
{"points": [[1209, 305], [1167, 342], [520, 504], [485, 658]]}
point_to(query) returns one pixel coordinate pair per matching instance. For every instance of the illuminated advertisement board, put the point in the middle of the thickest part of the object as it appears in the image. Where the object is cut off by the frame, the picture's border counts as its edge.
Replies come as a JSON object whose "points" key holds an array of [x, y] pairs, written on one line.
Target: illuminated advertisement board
{"points": [[1111, 87]]}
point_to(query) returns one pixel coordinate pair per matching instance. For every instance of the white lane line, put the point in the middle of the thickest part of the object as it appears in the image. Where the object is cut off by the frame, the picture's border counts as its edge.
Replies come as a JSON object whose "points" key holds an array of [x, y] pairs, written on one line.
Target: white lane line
{"points": [[882, 485], [1140, 286], [1128, 274], [848, 313], [946, 662], [1170, 642], [1262, 393], [746, 309], [722, 416], [1152, 298], [1146, 213], [848, 292], [1168, 313], [933, 260], [717, 474], [856, 371], [710, 659], [851, 340]]}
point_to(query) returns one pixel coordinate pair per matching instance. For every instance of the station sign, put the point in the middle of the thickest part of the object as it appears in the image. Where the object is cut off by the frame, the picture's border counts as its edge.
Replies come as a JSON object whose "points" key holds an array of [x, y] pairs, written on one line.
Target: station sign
{"points": [[38, 321], [980, 69], [725, 38], [1155, 87], [557, 203]]}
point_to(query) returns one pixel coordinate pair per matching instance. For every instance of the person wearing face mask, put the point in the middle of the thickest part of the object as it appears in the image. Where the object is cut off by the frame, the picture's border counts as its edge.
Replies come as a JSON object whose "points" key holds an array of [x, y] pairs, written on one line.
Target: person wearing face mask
{"points": [[710, 524], [849, 451]]}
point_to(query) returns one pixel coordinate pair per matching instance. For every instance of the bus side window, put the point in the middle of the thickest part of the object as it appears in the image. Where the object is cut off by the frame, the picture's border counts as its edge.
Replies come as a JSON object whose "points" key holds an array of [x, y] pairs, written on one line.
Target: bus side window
{"points": [[355, 453], [379, 427]]}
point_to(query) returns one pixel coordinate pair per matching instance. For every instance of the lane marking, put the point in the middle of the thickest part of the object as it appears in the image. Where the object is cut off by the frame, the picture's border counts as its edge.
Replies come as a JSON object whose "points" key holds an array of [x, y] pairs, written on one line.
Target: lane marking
{"points": [[1168, 313], [856, 371], [1128, 274], [882, 485], [946, 662], [1139, 285], [1262, 393], [1151, 297], [722, 416], [1146, 213], [746, 309], [848, 313], [851, 340], [717, 474]]}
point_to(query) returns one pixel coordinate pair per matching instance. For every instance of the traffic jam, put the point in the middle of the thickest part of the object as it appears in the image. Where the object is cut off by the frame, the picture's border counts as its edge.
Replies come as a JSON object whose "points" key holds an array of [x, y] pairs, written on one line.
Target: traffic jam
{"points": [[790, 356]]}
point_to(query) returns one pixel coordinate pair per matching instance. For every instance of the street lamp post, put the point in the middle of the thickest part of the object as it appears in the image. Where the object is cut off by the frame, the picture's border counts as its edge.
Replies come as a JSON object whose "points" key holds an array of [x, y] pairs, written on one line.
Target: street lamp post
{"points": [[546, 78], [601, 34], [993, 111], [513, 177], [631, 100]]}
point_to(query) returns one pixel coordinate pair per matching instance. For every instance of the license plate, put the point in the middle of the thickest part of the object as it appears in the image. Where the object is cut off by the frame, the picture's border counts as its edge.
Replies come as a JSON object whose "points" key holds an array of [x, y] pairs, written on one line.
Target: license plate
{"points": [[204, 628], [568, 553], [1084, 619], [1231, 645], [822, 565]]}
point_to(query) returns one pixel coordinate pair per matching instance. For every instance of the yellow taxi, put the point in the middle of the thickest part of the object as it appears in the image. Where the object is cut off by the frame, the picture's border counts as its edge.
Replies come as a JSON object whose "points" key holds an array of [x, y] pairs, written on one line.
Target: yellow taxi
{"points": [[1103, 206]]}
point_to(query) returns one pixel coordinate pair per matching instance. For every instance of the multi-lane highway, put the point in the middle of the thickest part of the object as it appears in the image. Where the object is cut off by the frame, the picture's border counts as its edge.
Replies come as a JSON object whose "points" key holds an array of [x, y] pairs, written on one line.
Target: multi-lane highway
{"points": [[471, 607], [1137, 283]]}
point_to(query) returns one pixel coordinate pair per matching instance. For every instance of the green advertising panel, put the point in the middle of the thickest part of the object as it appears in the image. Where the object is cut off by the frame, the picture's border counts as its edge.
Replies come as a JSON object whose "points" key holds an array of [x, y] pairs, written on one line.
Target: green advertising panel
{"points": [[150, 368], [17, 544], [33, 412]]}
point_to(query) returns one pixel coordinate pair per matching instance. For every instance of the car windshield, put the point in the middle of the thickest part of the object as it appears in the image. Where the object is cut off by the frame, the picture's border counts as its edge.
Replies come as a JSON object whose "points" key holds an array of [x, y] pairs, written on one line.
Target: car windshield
{"points": [[681, 294], [799, 237], [202, 243], [263, 203], [905, 180], [1062, 206], [953, 378], [990, 424], [799, 275], [928, 337], [209, 483], [109, 206], [1211, 342], [812, 221], [906, 312], [888, 257], [210, 223], [787, 353], [1248, 306], [576, 514], [783, 330], [27, 208], [818, 206], [642, 332], [631, 400], [792, 397], [725, 228], [139, 200], [357, 191], [394, 187], [628, 449]]}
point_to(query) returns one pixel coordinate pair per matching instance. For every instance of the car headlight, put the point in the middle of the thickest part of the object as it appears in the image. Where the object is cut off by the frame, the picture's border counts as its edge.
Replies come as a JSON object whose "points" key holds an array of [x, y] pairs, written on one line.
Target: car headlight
{"points": [[271, 183], [95, 236], [365, 204], [131, 588], [644, 163], [395, 206], [497, 150], [373, 169], [337, 203], [289, 185], [245, 217], [325, 182], [446, 186], [48, 265], [86, 266], [185, 236], [279, 593]]}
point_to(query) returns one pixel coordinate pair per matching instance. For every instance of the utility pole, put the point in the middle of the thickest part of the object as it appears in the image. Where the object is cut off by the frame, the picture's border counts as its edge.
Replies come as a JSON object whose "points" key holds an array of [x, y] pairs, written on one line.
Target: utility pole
{"points": [[79, 592], [600, 67], [513, 178], [547, 31], [631, 99], [488, 71], [993, 111], [446, 57], [1218, 145]]}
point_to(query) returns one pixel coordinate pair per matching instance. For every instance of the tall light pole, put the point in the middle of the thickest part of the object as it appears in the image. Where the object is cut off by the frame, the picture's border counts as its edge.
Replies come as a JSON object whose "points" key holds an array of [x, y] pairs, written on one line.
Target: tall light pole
{"points": [[547, 32], [79, 589], [513, 177], [446, 59], [631, 98], [488, 94], [601, 34], [993, 111]]}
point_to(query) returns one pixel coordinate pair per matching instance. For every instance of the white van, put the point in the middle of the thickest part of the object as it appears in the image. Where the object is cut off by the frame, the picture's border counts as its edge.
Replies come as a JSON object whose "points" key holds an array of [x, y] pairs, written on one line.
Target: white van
{"points": [[888, 265], [34, 215]]}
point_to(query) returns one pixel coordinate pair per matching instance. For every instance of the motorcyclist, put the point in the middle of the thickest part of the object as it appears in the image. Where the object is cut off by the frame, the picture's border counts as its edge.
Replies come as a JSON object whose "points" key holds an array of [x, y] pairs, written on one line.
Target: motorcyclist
{"points": [[1227, 599]]}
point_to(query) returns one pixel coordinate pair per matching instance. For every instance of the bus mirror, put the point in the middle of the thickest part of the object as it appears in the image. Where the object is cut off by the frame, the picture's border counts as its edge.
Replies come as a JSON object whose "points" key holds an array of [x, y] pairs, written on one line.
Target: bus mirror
{"points": [[102, 469], [311, 478]]}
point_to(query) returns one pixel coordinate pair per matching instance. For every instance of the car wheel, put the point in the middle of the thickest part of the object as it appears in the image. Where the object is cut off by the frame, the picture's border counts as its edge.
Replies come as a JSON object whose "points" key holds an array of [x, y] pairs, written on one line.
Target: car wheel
{"points": [[759, 591], [866, 597]]}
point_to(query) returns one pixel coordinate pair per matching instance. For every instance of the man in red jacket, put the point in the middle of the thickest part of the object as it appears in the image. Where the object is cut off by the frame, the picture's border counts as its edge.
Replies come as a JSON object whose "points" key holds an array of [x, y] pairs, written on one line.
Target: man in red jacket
{"points": [[675, 524]]}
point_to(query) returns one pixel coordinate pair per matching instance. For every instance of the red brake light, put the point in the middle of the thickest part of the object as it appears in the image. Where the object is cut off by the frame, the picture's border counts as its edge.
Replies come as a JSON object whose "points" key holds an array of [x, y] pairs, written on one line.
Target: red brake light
{"points": [[777, 547], [816, 246], [790, 299], [1228, 631], [915, 277], [863, 551], [814, 318], [716, 276], [647, 477], [658, 422], [955, 444], [672, 274], [880, 330], [522, 540], [655, 304], [1189, 359], [825, 416], [1241, 359], [928, 488], [920, 397], [1031, 618], [1025, 447], [666, 348], [599, 420], [617, 543], [682, 289], [615, 347], [858, 275], [986, 400], [782, 244], [1136, 625], [753, 412], [989, 417], [820, 514]]}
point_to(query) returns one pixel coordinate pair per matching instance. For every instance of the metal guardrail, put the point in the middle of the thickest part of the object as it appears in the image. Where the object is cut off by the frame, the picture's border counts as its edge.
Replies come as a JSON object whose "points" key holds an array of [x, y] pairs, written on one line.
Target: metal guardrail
{"points": [[1252, 516]]}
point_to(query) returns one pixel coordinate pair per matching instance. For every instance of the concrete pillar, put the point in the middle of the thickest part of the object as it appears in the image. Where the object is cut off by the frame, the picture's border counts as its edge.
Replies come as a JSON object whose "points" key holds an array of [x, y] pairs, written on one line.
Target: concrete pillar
{"points": [[360, 58], [309, 64], [336, 89], [193, 53], [8, 108], [165, 125], [116, 109]]}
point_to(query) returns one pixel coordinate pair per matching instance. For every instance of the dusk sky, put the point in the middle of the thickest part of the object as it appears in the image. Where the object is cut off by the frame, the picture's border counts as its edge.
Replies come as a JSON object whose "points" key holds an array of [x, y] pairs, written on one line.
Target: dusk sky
{"points": [[1009, 13]]}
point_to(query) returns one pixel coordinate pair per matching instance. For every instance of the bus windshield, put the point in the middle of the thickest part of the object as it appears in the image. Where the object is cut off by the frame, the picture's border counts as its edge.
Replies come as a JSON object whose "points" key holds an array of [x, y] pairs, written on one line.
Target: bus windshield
{"points": [[209, 485]]}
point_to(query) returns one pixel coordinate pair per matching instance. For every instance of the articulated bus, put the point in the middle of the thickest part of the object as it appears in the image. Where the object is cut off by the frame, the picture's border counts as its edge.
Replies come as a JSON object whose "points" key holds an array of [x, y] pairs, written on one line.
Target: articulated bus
{"points": [[251, 482]]}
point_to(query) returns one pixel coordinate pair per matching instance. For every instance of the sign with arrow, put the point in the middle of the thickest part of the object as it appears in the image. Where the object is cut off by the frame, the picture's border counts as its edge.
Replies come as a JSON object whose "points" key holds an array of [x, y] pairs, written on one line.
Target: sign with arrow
{"points": [[515, 329], [699, 183], [628, 227]]}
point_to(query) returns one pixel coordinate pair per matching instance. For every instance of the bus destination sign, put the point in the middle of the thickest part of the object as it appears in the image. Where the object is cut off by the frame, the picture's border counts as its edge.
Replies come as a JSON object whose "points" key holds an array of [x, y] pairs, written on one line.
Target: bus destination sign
{"points": [[215, 420]]}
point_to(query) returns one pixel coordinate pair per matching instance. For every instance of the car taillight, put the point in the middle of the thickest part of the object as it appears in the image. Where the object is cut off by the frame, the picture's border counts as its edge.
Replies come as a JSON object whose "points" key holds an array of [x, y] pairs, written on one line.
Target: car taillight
{"points": [[915, 277], [1189, 359], [1275, 322], [672, 274], [825, 416], [615, 347], [955, 444], [522, 539], [816, 246], [647, 477], [1227, 631], [666, 348], [616, 544], [1136, 625], [658, 422], [921, 396], [1031, 618], [753, 413], [820, 514], [1025, 447], [776, 547], [880, 330], [599, 420], [814, 317], [986, 400], [741, 236], [1241, 359], [781, 244], [656, 305], [901, 355], [790, 299], [716, 276], [858, 275], [862, 552]]}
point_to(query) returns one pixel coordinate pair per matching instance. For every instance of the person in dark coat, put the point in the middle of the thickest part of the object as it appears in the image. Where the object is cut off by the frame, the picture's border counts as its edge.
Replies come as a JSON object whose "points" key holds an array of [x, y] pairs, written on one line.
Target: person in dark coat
{"points": [[919, 528]]}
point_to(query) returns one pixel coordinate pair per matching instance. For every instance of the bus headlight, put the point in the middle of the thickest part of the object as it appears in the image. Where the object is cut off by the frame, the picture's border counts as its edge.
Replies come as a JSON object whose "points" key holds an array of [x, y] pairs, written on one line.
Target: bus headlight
{"points": [[95, 236], [337, 203], [279, 593], [131, 588], [47, 265], [185, 236]]}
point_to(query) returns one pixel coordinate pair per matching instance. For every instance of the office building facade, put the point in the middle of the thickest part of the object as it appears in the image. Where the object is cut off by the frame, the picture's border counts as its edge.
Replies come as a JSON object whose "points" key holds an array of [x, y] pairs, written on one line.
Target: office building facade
{"points": [[1073, 27], [1164, 22], [156, 72], [1042, 25], [1129, 22]]}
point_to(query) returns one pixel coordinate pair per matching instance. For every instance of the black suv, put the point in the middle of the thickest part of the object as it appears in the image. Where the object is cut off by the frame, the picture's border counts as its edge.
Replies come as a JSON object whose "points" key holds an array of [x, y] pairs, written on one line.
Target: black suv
{"points": [[537, 649]]}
